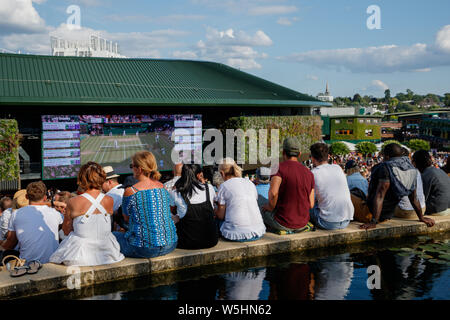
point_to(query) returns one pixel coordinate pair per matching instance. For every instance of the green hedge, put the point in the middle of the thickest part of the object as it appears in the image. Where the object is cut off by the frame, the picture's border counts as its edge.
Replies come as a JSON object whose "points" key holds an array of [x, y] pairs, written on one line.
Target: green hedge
{"points": [[9, 150], [307, 129]]}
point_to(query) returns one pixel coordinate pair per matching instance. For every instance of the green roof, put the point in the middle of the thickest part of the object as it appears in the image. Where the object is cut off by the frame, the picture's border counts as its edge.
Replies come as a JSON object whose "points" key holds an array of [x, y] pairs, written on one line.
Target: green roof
{"points": [[43, 80]]}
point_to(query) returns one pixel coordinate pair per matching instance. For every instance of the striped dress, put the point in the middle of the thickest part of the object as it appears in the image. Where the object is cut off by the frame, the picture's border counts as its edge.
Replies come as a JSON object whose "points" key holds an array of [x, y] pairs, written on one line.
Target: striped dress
{"points": [[150, 223]]}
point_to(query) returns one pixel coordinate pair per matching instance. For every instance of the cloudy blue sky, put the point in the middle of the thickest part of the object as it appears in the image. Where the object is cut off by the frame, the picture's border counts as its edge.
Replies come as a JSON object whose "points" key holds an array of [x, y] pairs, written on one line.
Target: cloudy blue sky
{"points": [[300, 44]]}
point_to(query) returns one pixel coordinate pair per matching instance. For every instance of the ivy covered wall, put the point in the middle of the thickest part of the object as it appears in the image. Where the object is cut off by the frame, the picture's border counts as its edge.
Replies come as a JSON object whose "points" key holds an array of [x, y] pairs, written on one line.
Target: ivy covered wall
{"points": [[359, 130], [9, 150]]}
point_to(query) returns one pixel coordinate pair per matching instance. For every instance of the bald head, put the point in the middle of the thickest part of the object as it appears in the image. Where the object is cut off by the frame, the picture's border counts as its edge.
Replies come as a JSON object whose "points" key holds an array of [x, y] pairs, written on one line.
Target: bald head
{"points": [[177, 169]]}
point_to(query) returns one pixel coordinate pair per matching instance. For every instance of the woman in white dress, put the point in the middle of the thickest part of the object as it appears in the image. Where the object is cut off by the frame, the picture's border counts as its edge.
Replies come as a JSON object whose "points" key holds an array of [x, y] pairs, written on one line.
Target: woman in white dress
{"points": [[88, 224]]}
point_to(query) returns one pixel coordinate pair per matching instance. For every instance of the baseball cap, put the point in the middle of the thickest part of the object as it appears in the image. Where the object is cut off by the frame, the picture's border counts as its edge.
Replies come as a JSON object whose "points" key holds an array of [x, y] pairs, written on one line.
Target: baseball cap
{"points": [[263, 174], [350, 164], [291, 144]]}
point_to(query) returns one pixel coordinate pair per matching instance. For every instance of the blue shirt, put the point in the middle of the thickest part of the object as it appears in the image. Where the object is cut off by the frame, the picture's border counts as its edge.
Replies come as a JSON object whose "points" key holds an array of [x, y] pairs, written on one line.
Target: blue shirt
{"points": [[356, 180], [263, 190], [150, 223]]}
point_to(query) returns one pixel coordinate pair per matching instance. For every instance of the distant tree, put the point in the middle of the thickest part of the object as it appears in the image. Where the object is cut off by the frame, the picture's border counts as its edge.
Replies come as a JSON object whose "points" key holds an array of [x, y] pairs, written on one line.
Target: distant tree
{"points": [[366, 148], [339, 149], [401, 96], [409, 94], [389, 142], [419, 144], [447, 99], [387, 95], [357, 98]]}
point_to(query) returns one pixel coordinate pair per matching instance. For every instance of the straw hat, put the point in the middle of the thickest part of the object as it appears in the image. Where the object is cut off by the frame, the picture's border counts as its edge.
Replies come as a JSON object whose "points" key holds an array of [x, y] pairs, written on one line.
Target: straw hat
{"points": [[20, 200], [110, 174]]}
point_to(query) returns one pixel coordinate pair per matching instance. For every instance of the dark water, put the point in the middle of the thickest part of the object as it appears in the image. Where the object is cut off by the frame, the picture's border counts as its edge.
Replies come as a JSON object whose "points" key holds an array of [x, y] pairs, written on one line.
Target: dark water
{"points": [[340, 273]]}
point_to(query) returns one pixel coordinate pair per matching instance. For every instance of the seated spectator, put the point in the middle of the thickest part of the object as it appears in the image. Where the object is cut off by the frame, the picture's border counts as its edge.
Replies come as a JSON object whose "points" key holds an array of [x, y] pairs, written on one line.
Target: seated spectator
{"points": [[176, 175], [19, 201], [115, 190], [291, 193], [146, 209], [192, 205], [34, 228], [88, 224], [217, 180], [333, 206], [404, 210], [390, 181], [354, 177], [446, 168], [5, 215], [60, 201], [262, 183], [436, 185], [237, 205], [112, 187]]}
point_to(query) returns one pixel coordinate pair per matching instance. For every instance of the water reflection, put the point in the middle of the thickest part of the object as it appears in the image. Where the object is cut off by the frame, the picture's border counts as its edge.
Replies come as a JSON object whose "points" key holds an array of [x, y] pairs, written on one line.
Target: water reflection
{"points": [[404, 276]]}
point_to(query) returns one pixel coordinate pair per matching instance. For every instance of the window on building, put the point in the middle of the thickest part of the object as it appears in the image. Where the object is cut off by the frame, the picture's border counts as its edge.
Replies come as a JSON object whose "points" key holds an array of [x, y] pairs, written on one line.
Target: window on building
{"points": [[369, 133], [375, 121], [361, 120], [337, 121], [368, 120], [344, 132], [350, 121]]}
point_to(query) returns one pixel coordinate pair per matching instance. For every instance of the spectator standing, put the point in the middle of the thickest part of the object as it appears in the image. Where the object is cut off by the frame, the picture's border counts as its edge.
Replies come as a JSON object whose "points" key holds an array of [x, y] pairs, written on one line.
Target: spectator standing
{"points": [[146, 208], [436, 185], [34, 228], [291, 193], [237, 205], [333, 206]]}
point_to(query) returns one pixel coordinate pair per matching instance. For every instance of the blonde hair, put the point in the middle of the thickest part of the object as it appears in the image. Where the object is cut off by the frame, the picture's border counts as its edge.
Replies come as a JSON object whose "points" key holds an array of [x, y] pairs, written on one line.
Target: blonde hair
{"points": [[229, 168], [147, 162]]}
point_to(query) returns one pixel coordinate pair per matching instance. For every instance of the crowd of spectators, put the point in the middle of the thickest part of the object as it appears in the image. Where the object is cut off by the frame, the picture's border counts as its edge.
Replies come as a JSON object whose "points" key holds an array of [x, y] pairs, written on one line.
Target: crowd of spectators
{"points": [[105, 221]]}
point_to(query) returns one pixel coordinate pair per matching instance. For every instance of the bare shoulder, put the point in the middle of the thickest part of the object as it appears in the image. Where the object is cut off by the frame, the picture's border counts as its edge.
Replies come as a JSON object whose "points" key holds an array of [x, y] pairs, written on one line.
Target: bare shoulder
{"points": [[108, 203], [128, 192]]}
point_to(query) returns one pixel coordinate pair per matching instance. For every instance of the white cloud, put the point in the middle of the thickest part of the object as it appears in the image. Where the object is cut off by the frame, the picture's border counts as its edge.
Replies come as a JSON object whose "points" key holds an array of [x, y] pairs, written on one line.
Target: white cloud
{"points": [[380, 85], [271, 10], [382, 59], [422, 70], [19, 16], [312, 77], [173, 18], [443, 39], [285, 21], [234, 48]]}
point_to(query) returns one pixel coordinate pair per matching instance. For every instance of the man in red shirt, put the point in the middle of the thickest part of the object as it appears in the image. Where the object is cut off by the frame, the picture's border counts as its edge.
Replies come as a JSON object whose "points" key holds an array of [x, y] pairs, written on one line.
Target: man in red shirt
{"points": [[291, 193]]}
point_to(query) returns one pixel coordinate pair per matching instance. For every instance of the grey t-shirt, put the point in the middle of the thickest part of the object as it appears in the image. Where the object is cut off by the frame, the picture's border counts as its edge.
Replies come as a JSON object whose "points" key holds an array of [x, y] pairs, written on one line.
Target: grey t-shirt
{"points": [[436, 188]]}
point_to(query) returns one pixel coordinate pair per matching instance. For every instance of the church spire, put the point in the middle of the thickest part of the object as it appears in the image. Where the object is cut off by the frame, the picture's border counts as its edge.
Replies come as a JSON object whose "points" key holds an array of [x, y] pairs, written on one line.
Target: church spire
{"points": [[326, 91]]}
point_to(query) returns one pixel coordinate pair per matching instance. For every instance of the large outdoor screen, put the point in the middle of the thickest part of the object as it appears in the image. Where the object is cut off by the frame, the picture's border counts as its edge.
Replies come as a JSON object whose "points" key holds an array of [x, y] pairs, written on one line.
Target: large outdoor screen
{"points": [[69, 141]]}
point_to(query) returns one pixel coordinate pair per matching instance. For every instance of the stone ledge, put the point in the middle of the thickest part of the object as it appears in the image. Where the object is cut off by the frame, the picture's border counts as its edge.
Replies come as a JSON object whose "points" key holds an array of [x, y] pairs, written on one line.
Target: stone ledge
{"points": [[53, 277]]}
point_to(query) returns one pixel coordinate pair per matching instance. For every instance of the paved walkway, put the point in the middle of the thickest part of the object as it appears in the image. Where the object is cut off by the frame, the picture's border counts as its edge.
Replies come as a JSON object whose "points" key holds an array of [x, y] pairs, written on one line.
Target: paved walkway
{"points": [[57, 277]]}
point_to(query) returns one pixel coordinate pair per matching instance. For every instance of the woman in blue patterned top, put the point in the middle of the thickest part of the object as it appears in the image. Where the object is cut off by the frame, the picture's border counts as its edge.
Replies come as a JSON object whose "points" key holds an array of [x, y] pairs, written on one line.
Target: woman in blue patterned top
{"points": [[146, 208]]}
